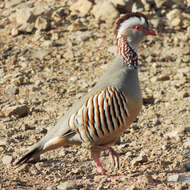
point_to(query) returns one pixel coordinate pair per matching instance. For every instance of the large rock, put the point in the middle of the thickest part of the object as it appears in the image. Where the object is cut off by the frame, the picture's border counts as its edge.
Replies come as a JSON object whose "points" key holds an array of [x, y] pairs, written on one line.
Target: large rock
{"points": [[12, 3], [27, 28], [67, 185], [160, 3], [18, 111], [42, 23], [7, 160], [178, 178], [186, 166], [120, 2], [42, 8], [178, 3], [147, 4], [137, 7], [105, 11], [174, 17], [24, 16], [81, 6], [123, 5], [140, 159], [188, 3], [12, 90]]}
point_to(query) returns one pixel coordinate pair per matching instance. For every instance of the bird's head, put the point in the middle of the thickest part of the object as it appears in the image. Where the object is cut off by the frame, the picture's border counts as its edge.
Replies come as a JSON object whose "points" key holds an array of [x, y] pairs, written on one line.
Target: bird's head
{"points": [[133, 27]]}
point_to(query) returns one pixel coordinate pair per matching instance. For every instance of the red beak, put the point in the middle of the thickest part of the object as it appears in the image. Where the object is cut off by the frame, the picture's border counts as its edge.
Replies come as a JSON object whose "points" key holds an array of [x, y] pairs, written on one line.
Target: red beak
{"points": [[150, 31]]}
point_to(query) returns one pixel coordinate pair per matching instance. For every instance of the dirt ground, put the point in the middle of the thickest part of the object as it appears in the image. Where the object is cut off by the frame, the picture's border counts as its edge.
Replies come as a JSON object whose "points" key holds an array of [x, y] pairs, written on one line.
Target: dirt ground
{"points": [[42, 72]]}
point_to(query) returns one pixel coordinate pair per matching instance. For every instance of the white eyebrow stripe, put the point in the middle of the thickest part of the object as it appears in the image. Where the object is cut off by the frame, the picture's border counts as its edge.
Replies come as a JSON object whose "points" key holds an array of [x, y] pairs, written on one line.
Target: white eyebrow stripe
{"points": [[128, 23], [142, 19]]}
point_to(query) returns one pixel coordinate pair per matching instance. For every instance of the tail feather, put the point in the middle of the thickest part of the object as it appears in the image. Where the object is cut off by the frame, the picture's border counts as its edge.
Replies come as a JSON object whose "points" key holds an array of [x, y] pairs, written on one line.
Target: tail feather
{"points": [[33, 153], [43, 146]]}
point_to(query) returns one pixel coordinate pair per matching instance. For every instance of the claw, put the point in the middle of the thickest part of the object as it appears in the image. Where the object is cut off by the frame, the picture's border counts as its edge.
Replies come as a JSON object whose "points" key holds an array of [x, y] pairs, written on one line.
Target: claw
{"points": [[114, 153]]}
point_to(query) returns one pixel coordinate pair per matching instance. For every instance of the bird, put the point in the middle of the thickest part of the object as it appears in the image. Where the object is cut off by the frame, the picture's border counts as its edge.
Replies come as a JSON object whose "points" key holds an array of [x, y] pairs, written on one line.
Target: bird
{"points": [[99, 118]]}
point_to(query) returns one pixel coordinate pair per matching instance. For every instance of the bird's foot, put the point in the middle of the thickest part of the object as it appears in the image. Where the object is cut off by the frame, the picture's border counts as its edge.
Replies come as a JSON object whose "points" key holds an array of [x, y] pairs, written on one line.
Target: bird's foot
{"points": [[112, 152]]}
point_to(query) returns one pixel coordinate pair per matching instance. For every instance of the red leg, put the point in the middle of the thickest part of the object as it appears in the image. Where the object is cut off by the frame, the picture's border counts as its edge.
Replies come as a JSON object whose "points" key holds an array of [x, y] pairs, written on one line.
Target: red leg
{"points": [[98, 163], [111, 151]]}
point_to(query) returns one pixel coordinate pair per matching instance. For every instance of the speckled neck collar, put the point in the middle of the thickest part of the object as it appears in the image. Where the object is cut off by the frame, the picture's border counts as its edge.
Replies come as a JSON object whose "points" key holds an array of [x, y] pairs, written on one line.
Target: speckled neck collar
{"points": [[129, 56]]}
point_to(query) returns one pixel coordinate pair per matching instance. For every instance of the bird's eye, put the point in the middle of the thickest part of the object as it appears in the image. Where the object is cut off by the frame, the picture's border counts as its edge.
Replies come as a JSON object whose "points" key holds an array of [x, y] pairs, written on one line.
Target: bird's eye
{"points": [[138, 27]]}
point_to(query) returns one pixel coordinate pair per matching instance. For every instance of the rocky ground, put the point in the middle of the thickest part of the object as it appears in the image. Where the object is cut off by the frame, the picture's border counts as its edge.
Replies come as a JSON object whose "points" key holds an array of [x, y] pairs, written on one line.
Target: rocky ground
{"points": [[53, 52]]}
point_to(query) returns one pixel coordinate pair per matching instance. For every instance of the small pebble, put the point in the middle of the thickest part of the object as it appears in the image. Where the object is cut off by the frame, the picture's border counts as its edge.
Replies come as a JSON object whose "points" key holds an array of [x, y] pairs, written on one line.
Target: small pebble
{"points": [[68, 185], [7, 160], [173, 178]]}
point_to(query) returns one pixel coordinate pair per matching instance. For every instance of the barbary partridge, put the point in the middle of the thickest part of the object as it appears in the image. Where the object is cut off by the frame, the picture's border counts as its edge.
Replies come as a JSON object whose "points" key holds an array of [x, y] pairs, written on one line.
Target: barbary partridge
{"points": [[101, 116]]}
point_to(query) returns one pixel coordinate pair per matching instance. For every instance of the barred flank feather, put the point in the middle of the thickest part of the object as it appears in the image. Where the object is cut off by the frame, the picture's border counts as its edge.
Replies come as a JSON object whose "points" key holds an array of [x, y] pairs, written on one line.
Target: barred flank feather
{"points": [[101, 114]]}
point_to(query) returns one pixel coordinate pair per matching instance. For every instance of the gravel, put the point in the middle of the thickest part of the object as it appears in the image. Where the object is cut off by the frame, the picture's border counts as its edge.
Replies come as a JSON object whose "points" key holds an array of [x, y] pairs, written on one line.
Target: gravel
{"points": [[52, 54]]}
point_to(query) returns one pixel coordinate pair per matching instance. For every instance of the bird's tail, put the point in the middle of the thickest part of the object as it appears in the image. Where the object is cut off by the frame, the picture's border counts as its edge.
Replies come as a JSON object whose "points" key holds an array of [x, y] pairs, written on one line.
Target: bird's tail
{"points": [[40, 148], [34, 154]]}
